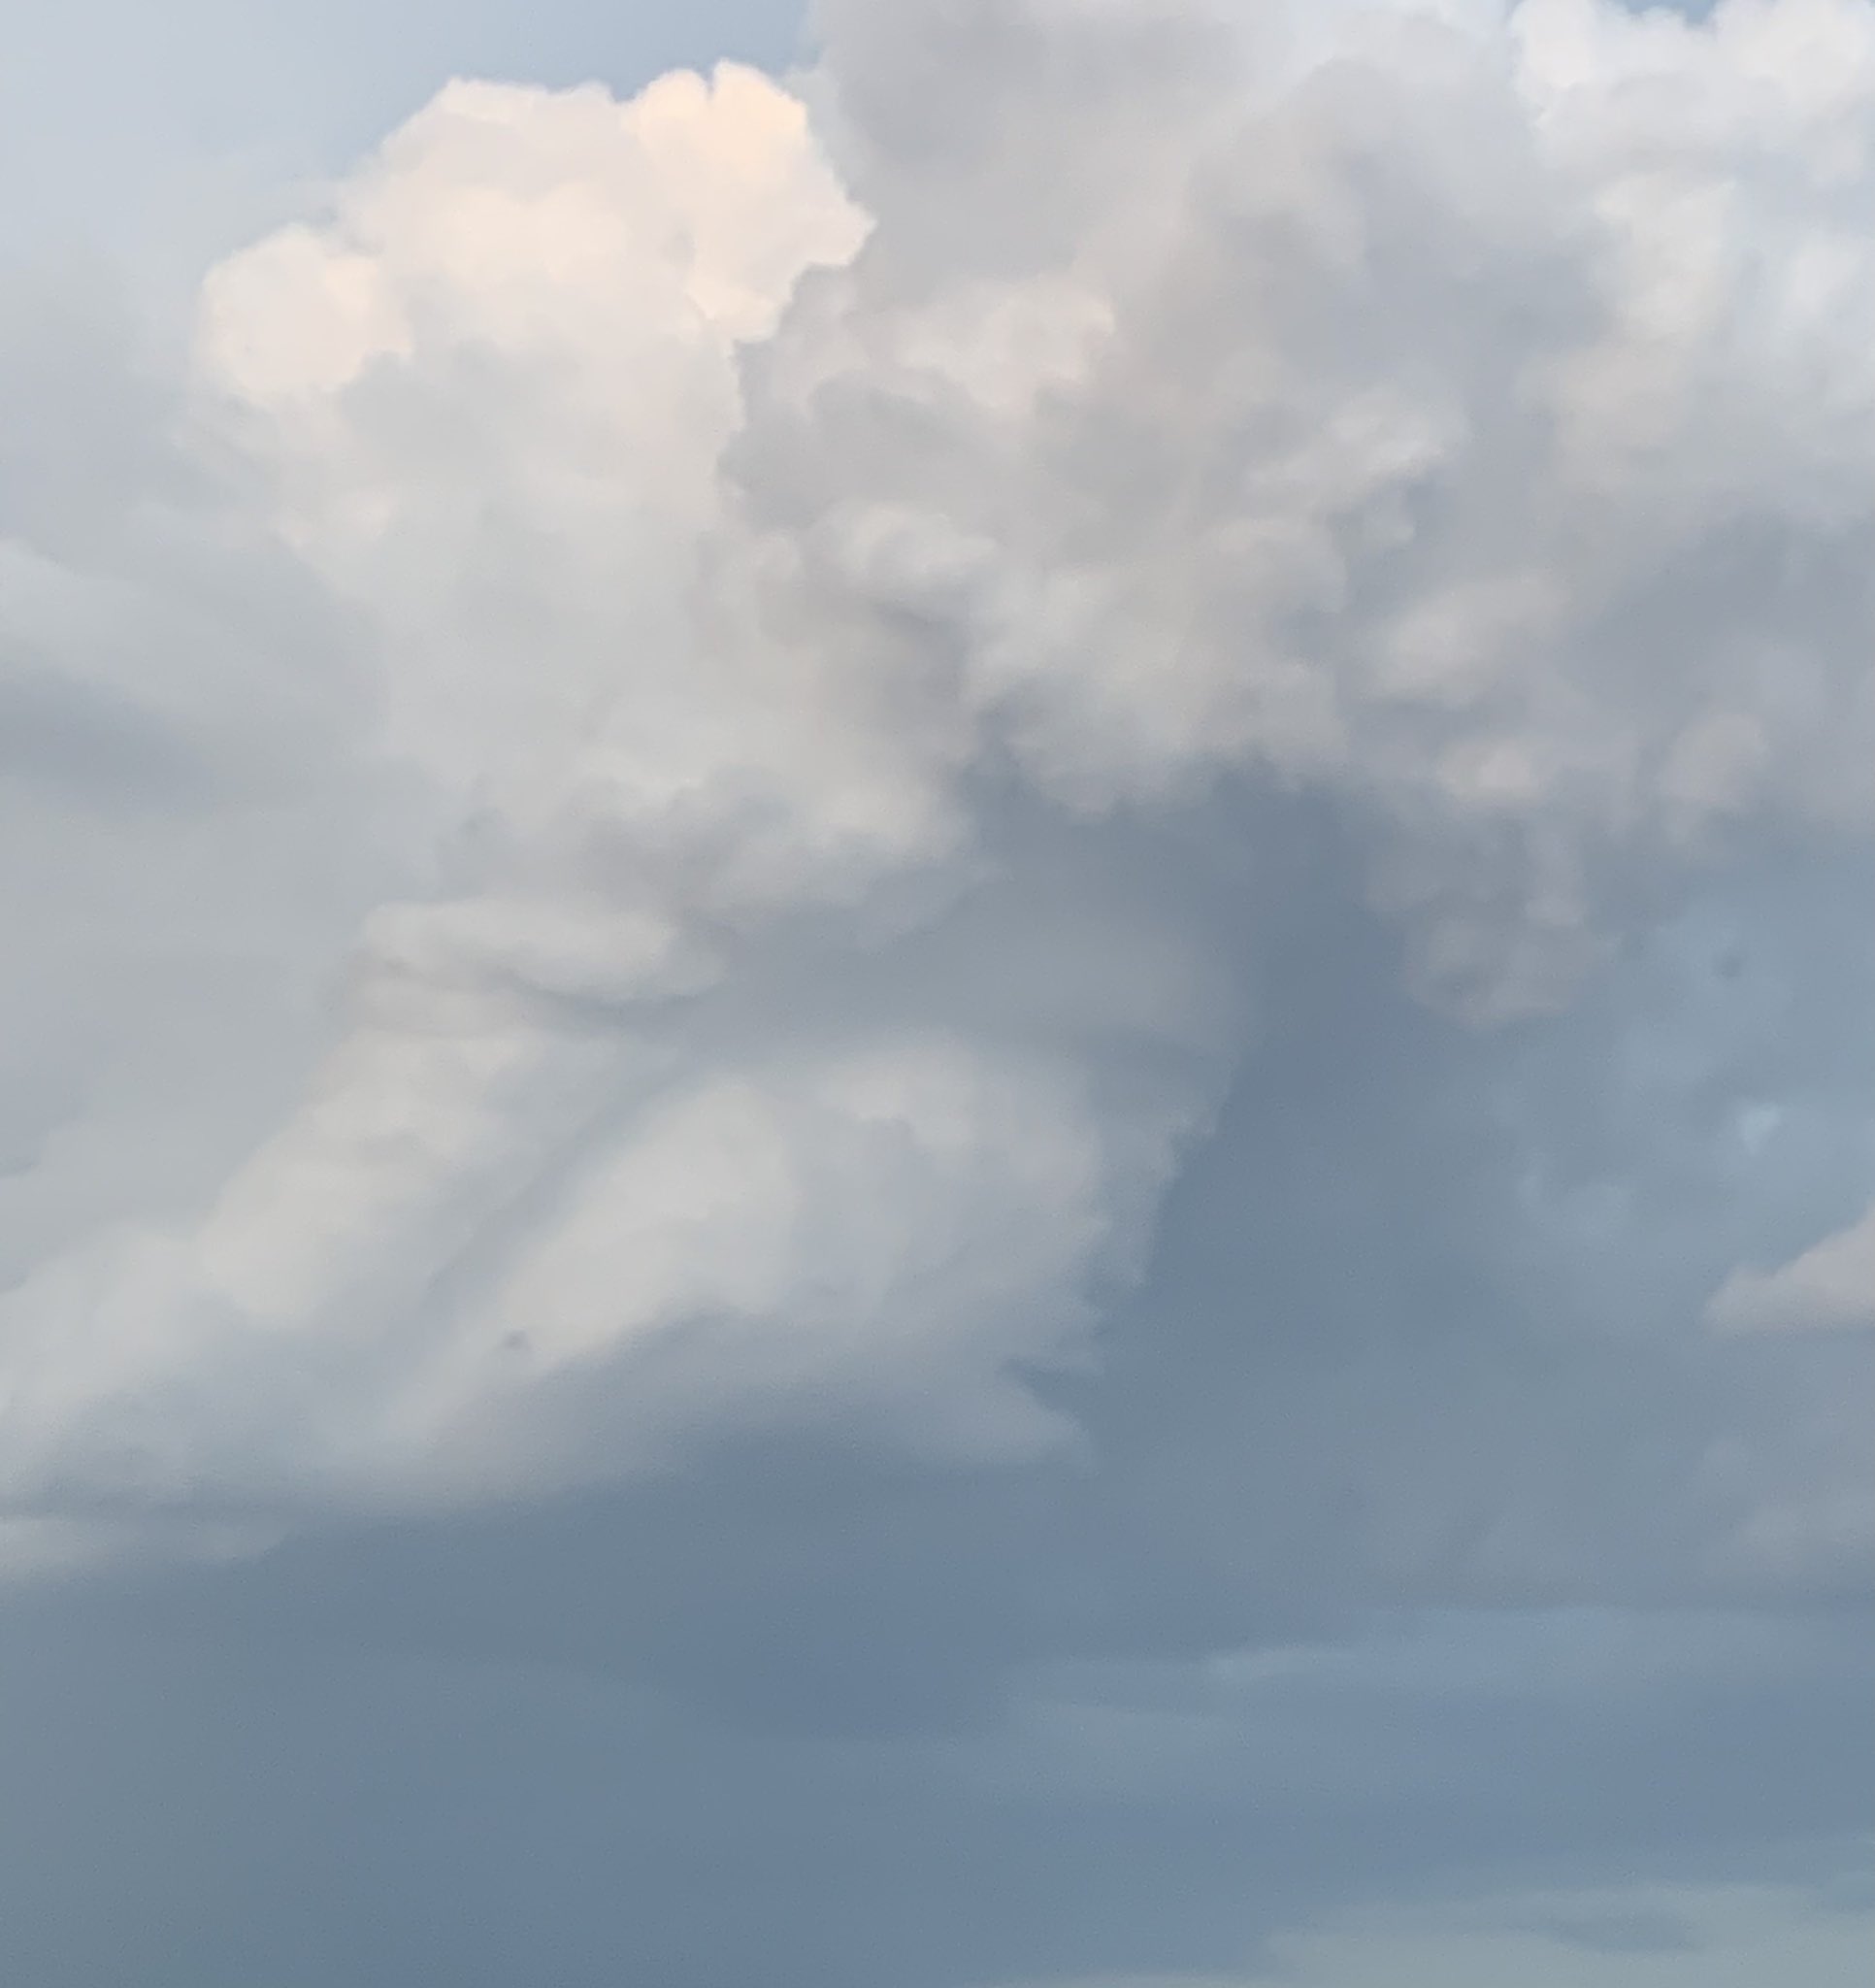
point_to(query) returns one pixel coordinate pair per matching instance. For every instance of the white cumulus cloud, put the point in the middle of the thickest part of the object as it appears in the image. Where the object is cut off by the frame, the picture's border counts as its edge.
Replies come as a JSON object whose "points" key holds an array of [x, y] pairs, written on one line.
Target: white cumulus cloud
{"points": [[765, 540]]}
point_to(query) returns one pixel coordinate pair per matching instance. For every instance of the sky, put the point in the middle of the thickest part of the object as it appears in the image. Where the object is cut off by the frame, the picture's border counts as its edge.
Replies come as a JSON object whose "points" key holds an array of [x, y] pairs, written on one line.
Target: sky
{"points": [[935, 1046]]}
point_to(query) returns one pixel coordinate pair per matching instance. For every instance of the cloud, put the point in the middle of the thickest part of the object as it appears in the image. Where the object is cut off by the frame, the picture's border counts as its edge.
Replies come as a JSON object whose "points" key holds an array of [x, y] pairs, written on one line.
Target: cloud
{"points": [[337, 1807], [1831, 1284], [817, 612]]}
